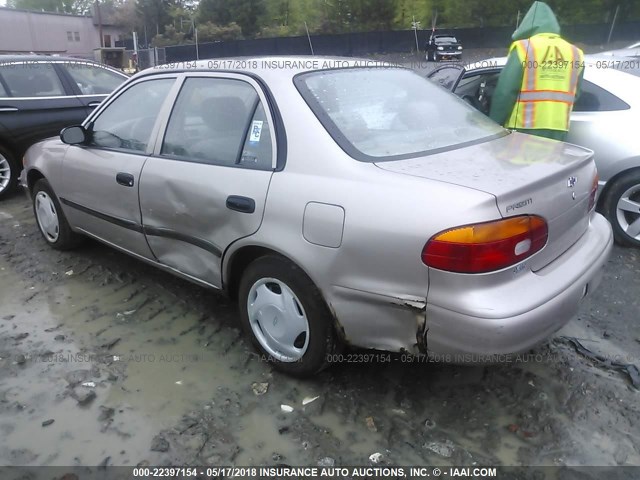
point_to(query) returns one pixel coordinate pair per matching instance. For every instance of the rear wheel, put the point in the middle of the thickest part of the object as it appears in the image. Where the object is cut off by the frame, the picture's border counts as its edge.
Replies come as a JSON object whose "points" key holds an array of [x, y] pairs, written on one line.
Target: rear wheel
{"points": [[9, 171], [286, 317], [50, 218], [622, 207]]}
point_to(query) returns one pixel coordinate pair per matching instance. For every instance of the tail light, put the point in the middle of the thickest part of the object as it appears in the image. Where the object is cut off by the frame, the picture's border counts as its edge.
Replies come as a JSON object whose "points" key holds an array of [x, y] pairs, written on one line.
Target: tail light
{"points": [[486, 247], [594, 192]]}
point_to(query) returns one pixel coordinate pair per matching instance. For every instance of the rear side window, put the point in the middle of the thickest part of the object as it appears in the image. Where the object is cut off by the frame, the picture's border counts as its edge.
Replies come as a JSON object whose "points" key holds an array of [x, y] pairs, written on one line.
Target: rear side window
{"points": [[3, 92], [221, 122], [31, 80], [595, 99], [391, 113], [93, 80]]}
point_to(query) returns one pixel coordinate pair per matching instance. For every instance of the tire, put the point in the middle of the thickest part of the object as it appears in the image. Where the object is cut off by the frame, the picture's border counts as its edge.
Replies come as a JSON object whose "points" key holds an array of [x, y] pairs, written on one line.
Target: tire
{"points": [[9, 173], [291, 306], [50, 218], [621, 206]]}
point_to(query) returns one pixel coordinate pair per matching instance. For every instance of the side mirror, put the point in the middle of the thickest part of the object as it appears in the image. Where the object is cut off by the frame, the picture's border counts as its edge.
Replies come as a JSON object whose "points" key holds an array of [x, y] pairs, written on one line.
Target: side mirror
{"points": [[74, 135]]}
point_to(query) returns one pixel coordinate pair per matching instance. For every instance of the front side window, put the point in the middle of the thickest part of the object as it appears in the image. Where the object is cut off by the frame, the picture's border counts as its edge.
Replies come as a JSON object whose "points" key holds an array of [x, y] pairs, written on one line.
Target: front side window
{"points": [[127, 122], [221, 122], [76, 36], [70, 36], [94, 80], [31, 80], [391, 113]]}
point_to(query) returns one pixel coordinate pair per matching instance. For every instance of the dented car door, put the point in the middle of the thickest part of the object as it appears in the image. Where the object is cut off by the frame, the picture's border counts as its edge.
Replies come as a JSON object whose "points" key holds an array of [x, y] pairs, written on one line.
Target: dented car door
{"points": [[206, 184]]}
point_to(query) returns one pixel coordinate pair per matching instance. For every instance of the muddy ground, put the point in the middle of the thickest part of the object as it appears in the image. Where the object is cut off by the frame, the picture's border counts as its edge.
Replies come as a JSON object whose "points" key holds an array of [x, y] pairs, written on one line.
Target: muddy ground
{"points": [[107, 361], [169, 379]]}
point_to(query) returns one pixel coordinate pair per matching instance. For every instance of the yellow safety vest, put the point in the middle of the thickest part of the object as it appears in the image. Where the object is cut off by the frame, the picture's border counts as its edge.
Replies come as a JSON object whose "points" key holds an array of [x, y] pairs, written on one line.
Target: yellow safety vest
{"points": [[551, 68]]}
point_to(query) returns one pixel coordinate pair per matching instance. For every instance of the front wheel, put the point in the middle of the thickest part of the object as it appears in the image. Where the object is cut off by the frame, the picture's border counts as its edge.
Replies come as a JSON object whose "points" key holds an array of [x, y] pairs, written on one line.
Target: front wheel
{"points": [[9, 172], [50, 218], [286, 317], [622, 208]]}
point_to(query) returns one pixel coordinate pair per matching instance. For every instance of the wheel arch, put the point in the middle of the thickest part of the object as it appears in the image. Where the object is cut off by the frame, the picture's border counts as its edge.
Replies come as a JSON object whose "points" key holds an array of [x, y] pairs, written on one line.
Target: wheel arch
{"points": [[32, 177], [607, 186], [236, 262]]}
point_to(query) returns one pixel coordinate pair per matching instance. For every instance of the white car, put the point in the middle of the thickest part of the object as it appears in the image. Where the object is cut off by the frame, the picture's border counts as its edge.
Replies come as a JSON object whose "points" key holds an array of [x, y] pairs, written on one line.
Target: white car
{"points": [[605, 118], [630, 51]]}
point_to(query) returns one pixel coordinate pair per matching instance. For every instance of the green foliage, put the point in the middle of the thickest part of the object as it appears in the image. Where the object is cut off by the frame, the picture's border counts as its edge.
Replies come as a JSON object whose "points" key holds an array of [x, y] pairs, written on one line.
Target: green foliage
{"points": [[210, 32], [170, 37], [78, 7], [154, 15], [221, 19], [245, 13]]}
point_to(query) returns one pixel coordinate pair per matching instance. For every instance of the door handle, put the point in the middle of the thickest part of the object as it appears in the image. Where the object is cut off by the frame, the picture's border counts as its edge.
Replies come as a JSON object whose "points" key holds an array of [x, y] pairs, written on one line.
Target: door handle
{"points": [[8, 109], [241, 204], [125, 179], [94, 104]]}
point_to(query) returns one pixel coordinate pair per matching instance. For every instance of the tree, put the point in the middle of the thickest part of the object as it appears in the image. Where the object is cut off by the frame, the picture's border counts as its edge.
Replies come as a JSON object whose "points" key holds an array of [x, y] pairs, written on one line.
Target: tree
{"points": [[245, 13], [77, 7], [210, 32], [154, 16]]}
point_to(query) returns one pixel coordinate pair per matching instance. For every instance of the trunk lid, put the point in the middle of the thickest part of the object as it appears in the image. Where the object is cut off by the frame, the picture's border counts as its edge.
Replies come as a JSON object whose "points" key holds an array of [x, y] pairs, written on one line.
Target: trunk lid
{"points": [[526, 175]]}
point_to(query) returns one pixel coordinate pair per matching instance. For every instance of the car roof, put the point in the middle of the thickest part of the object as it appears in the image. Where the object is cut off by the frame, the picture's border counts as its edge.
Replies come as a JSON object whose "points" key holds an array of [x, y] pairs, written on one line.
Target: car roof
{"points": [[267, 66], [41, 58]]}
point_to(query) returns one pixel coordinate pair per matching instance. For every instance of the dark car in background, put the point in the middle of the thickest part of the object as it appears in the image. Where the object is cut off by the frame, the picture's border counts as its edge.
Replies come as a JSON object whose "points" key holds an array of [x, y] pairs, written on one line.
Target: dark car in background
{"points": [[40, 95], [442, 46]]}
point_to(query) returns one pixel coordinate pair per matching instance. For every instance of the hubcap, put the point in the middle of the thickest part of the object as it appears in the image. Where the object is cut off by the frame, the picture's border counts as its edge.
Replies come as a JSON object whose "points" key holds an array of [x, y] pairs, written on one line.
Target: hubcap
{"points": [[5, 173], [628, 212], [47, 217], [278, 320]]}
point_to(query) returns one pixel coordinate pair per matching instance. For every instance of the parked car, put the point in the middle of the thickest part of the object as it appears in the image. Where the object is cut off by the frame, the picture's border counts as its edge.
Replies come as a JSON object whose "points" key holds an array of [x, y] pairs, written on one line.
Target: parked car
{"points": [[441, 47], [626, 64], [338, 203], [632, 50], [604, 119], [40, 95]]}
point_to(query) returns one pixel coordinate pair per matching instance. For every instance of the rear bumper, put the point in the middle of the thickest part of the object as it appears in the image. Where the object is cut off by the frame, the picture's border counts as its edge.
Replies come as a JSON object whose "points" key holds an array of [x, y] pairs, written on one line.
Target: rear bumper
{"points": [[464, 337]]}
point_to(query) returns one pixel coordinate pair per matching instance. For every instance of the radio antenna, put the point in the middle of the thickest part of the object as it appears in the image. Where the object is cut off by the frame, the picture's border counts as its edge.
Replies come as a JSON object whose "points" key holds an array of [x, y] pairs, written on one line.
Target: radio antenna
{"points": [[526, 64], [309, 38]]}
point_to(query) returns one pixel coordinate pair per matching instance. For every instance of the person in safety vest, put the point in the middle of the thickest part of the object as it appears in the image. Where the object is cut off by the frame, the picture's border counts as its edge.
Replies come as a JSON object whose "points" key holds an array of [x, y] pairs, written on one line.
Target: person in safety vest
{"points": [[541, 80]]}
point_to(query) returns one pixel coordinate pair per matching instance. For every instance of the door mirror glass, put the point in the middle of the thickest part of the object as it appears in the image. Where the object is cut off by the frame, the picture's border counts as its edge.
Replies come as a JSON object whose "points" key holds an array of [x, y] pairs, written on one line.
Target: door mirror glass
{"points": [[75, 135]]}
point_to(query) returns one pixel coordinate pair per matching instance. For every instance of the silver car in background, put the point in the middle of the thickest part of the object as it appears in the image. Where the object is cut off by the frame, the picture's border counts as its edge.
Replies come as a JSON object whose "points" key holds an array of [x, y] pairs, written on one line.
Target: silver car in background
{"points": [[632, 51], [340, 202], [605, 119]]}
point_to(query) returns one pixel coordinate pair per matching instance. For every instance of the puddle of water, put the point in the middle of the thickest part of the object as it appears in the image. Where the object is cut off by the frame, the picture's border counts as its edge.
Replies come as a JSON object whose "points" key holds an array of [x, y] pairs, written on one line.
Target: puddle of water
{"points": [[167, 372]]}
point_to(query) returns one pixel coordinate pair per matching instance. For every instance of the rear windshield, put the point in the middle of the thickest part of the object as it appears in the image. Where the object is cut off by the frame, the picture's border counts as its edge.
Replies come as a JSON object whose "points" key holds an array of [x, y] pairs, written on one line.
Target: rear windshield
{"points": [[378, 114]]}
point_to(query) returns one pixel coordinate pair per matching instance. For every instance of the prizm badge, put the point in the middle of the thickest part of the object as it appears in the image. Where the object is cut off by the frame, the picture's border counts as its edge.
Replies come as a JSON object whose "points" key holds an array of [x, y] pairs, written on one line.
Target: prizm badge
{"points": [[571, 182], [521, 204]]}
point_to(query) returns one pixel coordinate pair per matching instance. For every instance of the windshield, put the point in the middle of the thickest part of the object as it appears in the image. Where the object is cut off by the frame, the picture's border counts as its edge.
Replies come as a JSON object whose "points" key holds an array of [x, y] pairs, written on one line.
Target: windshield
{"points": [[391, 113], [446, 40]]}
